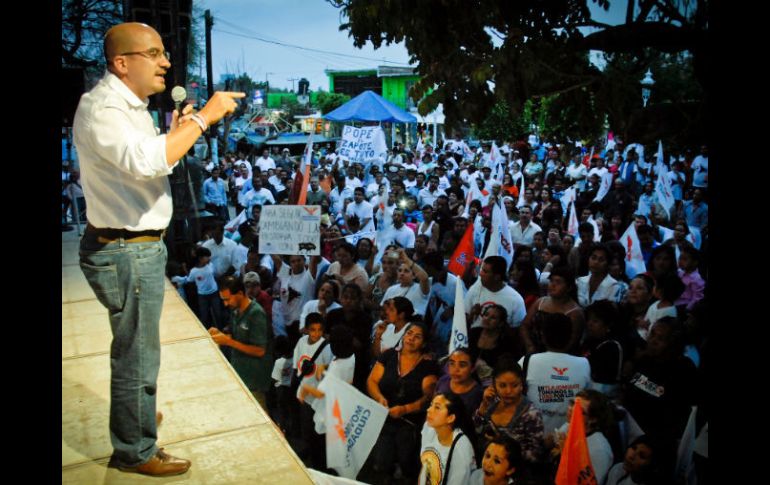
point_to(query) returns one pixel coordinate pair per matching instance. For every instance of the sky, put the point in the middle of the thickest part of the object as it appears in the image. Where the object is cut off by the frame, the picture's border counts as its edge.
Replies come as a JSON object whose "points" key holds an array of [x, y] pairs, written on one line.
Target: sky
{"points": [[311, 24]]}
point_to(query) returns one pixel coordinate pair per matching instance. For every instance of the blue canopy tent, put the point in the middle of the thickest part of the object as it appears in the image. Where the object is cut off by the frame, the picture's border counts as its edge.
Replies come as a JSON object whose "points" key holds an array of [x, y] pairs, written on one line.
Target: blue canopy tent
{"points": [[370, 106]]}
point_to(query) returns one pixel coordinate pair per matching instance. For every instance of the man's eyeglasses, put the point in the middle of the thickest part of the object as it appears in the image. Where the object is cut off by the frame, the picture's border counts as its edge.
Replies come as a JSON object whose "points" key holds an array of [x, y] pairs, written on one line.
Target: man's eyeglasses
{"points": [[153, 54]]}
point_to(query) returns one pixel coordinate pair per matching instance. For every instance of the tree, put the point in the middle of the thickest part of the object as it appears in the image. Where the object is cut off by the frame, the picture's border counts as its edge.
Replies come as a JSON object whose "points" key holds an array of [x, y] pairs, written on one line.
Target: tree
{"points": [[84, 23], [328, 102], [474, 54]]}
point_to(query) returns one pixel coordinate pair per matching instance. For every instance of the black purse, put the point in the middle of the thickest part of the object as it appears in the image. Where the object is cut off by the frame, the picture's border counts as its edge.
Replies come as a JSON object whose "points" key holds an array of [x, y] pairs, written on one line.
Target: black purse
{"points": [[307, 367]]}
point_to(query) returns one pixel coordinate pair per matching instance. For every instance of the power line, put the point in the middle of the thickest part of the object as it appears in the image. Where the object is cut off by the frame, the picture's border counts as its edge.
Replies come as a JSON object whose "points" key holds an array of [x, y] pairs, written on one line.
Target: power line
{"points": [[282, 44]]}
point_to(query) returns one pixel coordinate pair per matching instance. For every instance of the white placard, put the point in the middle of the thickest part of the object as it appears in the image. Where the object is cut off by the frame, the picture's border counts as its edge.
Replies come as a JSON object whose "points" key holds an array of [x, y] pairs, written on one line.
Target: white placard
{"points": [[362, 145], [290, 229]]}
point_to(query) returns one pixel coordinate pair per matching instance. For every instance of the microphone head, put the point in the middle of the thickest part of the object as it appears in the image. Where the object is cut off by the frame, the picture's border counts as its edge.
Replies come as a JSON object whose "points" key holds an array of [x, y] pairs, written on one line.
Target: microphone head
{"points": [[178, 94]]}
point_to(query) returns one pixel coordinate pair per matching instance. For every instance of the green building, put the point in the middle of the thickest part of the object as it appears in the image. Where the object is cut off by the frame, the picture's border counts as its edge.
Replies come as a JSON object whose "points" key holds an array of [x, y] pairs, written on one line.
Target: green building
{"points": [[392, 83]]}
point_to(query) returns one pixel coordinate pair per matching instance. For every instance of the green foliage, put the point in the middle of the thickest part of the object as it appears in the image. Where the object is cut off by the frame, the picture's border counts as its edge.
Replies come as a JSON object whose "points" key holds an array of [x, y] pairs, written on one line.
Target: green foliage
{"points": [[330, 101], [499, 125], [473, 55]]}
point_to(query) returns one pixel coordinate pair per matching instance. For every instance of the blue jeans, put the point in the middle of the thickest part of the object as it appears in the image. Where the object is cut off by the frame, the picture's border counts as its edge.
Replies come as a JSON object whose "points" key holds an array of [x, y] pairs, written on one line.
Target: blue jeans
{"points": [[128, 279]]}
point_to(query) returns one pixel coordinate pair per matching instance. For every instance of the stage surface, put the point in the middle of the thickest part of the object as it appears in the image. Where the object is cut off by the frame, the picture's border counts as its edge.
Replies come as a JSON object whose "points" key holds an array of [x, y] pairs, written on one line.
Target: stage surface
{"points": [[210, 417]]}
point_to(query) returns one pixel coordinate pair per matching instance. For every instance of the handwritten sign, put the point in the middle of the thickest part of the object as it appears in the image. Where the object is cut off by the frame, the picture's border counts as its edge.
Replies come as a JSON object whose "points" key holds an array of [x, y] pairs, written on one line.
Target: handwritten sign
{"points": [[290, 229], [362, 145]]}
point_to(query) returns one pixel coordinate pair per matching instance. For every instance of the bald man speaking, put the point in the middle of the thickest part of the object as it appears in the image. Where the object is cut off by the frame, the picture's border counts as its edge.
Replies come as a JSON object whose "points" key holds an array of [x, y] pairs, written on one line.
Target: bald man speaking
{"points": [[125, 163]]}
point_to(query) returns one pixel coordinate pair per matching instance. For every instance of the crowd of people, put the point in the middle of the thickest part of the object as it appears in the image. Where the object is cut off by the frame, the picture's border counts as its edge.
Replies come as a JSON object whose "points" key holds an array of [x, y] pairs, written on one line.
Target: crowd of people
{"points": [[562, 320]]}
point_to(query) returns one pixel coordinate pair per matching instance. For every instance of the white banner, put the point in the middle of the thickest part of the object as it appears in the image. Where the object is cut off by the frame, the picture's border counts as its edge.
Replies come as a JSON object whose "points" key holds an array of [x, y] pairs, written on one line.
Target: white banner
{"points": [[290, 229], [353, 423], [362, 145], [459, 337]]}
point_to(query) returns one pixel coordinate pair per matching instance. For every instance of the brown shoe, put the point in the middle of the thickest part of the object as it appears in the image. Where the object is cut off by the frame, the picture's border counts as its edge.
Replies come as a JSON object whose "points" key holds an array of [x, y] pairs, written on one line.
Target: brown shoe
{"points": [[160, 465]]}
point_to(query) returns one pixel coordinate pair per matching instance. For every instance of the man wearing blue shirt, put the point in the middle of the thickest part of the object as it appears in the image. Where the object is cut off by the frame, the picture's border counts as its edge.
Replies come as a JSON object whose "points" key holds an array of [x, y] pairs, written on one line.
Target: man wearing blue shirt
{"points": [[215, 195]]}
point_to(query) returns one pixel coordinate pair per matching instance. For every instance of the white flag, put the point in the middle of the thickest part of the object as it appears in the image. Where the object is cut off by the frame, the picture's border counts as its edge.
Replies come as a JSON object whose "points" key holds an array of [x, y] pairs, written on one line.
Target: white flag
{"points": [[420, 148], [572, 226], [231, 228], [592, 221], [659, 157], [663, 191], [459, 337], [604, 187], [353, 423], [503, 229], [694, 237], [634, 258], [566, 199]]}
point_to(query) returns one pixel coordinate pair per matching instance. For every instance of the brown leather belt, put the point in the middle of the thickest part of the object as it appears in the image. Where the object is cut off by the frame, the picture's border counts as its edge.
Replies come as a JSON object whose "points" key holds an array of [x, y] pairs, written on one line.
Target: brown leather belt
{"points": [[110, 235]]}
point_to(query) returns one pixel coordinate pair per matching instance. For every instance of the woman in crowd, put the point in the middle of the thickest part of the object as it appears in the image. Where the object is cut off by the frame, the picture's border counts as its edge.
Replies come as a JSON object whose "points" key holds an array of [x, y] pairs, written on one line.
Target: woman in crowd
{"points": [[509, 187], [416, 291], [447, 444], [560, 299], [552, 256], [506, 410], [523, 278], [662, 261], [492, 339], [380, 282], [544, 202], [598, 284], [326, 301], [459, 379], [345, 270], [602, 349], [632, 314], [403, 381], [365, 253], [389, 332]]}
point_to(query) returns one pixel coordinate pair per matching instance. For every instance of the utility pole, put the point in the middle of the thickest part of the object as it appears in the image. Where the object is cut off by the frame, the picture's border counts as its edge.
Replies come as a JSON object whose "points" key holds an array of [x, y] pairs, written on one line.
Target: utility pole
{"points": [[292, 82]]}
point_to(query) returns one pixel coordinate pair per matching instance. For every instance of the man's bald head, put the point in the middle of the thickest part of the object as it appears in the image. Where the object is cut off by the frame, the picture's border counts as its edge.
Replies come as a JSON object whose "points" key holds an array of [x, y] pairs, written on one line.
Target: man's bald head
{"points": [[125, 37], [136, 55]]}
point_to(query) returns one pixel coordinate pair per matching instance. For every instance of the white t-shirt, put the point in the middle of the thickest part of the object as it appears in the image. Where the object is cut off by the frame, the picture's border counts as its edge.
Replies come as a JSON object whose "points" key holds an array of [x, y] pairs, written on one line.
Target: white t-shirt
{"points": [[403, 236], [363, 211], [265, 164], [413, 293], [507, 297], [304, 351], [552, 379], [204, 279], [302, 283], [390, 338], [222, 255], [608, 289], [312, 306], [653, 315], [433, 456], [700, 170]]}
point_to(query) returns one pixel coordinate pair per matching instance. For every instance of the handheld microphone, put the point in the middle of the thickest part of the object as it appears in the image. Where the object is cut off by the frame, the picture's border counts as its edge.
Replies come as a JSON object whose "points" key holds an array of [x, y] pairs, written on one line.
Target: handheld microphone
{"points": [[179, 95]]}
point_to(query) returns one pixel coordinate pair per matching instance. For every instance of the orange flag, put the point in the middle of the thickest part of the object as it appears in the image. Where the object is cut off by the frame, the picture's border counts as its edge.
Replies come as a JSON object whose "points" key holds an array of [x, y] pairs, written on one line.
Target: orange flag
{"points": [[575, 464], [463, 254]]}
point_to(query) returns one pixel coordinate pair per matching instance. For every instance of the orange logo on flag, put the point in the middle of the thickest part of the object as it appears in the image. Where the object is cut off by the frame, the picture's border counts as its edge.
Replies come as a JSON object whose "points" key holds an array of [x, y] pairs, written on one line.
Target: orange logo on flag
{"points": [[338, 427], [630, 244], [310, 210]]}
